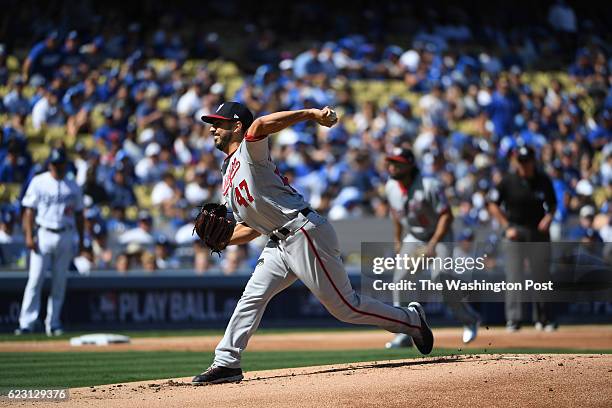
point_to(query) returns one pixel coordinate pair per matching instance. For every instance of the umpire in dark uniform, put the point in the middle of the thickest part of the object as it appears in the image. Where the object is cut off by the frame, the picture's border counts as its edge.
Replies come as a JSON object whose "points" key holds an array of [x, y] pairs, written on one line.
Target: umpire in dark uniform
{"points": [[524, 204]]}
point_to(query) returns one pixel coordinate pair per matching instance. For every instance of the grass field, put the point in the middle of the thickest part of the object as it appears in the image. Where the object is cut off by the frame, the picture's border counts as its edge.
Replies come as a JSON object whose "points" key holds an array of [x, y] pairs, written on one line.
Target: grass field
{"points": [[61, 369], [172, 333]]}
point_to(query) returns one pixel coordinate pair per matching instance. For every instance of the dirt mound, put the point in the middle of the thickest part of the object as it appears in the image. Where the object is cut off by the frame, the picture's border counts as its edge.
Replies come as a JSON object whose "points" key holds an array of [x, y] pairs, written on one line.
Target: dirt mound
{"points": [[571, 337], [478, 381]]}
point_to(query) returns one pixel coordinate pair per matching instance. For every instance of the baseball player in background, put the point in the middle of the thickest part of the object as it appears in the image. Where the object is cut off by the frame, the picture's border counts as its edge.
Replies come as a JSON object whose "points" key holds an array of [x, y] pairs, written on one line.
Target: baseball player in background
{"points": [[420, 210], [53, 213], [302, 244]]}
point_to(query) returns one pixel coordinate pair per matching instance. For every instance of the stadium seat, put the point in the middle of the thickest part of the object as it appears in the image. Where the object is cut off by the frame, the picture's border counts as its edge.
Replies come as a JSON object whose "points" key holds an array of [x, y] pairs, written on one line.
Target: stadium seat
{"points": [[12, 62], [28, 91], [40, 152], [131, 212], [9, 192], [96, 117], [87, 140], [143, 196], [105, 211], [228, 70], [232, 86], [55, 133], [179, 172], [164, 104], [397, 87]]}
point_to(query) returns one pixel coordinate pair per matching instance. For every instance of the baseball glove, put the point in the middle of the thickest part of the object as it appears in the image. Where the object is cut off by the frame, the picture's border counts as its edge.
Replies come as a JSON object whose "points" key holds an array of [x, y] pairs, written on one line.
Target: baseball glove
{"points": [[214, 227]]}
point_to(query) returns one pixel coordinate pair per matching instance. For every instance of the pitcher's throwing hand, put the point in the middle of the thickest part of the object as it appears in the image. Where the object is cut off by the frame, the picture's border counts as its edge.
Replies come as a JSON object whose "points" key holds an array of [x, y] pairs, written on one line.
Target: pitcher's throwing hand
{"points": [[326, 117]]}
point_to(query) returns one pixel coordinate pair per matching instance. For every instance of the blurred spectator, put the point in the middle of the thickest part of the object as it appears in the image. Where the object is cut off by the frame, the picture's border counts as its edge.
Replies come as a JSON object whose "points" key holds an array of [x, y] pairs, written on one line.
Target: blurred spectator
{"points": [[501, 109], [191, 100], [149, 169], [15, 166], [71, 55], [15, 101], [47, 111], [465, 244], [461, 95], [346, 205], [166, 193], [94, 189], [562, 17], [233, 259], [118, 222], [7, 223], [199, 190], [587, 214], [122, 264], [4, 71], [147, 259], [433, 107], [44, 58], [142, 234], [109, 132], [201, 257], [120, 189], [164, 258], [84, 262]]}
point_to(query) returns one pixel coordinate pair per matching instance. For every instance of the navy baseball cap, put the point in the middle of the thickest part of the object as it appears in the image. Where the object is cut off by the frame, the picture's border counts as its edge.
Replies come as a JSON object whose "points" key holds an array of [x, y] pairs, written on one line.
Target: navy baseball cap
{"points": [[401, 155], [57, 156], [231, 111]]}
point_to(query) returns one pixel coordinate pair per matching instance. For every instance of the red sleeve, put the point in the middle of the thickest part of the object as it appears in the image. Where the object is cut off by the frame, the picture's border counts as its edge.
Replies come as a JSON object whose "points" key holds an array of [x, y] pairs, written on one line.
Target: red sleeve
{"points": [[251, 138]]}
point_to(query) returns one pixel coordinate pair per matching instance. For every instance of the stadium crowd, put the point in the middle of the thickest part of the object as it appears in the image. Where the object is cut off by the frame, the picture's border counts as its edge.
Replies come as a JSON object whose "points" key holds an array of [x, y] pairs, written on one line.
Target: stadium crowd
{"points": [[127, 104]]}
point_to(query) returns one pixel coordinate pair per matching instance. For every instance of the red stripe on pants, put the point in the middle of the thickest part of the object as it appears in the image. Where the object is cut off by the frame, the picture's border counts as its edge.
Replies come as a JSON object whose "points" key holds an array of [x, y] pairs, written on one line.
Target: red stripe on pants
{"points": [[346, 302]]}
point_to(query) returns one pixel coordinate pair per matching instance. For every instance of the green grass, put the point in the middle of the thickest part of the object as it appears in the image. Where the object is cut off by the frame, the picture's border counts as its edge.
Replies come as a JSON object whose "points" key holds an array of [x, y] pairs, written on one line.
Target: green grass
{"points": [[70, 369], [174, 333]]}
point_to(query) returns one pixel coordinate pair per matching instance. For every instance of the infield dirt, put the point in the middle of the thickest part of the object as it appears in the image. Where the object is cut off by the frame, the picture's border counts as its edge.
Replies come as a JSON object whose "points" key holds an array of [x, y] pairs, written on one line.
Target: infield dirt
{"points": [[474, 380], [567, 337]]}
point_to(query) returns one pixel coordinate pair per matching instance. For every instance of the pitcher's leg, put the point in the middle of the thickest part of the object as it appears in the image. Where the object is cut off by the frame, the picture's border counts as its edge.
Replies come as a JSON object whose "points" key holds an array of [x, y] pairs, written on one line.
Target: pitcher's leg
{"points": [[270, 277], [314, 256]]}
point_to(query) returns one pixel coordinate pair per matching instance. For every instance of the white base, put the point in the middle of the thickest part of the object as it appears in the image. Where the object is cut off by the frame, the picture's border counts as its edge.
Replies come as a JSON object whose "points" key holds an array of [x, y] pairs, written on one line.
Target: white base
{"points": [[99, 339]]}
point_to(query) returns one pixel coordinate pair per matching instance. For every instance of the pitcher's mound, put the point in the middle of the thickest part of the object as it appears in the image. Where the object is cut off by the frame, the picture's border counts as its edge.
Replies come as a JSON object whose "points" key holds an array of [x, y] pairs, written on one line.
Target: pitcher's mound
{"points": [[477, 381]]}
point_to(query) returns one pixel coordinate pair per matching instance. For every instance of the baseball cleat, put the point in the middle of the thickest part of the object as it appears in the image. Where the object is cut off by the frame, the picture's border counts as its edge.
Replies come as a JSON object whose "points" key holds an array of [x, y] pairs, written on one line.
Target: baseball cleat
{"points": [[218, 375], [401, 340], [54, 332], [423, 341], [22, 332], [512, 327], [470, 331], [548, 327]]}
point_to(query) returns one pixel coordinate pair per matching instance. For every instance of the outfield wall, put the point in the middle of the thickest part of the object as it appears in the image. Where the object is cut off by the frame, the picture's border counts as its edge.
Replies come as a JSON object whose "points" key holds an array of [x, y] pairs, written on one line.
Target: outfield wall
{"points": [[111, 302]]}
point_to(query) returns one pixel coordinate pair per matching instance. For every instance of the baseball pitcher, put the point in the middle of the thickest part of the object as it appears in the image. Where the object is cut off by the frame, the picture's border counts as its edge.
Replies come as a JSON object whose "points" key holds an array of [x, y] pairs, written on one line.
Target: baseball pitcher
{"points": [[302, 244]]}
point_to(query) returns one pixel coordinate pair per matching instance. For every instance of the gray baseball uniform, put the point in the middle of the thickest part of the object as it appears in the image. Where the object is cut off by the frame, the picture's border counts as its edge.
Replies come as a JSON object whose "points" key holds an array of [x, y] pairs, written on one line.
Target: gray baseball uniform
{"points": [[419, 208], [303, 246]]}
